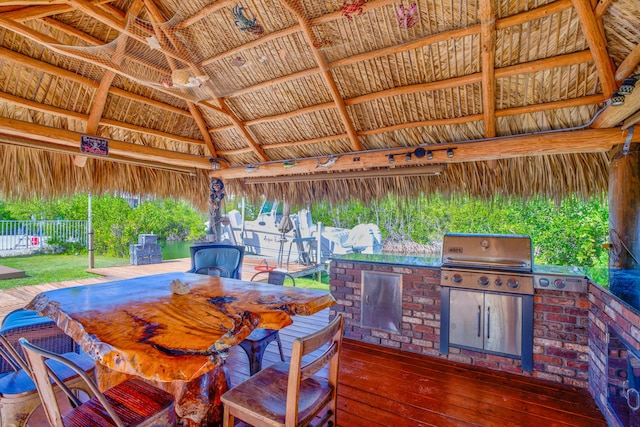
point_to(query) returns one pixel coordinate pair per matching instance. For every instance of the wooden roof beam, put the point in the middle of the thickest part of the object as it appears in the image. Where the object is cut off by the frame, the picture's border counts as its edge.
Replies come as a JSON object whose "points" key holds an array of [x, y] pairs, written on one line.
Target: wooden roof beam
{"points": [[629, 64], [526, 109], [296, 8], [488, 54], [615, 115], [126, 150], [597, 44], [53, 44], [195, 113], [203, 13], [58, 148], [155, 13], [72, 115], [540, 12], [61, 72], [528, 67], [544, 143]]}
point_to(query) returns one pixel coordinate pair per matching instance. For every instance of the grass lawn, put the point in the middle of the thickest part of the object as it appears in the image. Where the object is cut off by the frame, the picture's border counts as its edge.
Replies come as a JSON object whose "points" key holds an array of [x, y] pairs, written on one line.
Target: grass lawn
{"points": [[54, 268], [59, 268]]}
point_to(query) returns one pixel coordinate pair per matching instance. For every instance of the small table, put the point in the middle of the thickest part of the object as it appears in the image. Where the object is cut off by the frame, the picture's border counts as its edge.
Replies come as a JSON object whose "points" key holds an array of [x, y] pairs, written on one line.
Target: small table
{"points": [[138, 327]]}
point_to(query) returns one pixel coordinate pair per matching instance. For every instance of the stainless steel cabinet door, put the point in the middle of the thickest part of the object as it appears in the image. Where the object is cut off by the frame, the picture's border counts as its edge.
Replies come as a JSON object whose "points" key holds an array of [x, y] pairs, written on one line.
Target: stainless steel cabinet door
{"points": [[466, 321], [503, 324]]}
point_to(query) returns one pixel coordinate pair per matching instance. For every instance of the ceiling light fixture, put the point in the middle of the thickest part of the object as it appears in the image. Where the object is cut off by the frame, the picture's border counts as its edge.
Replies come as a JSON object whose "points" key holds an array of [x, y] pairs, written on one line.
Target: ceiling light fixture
{"points": [[429, 155], [617, 99], [407, 157], [628, 85], [289, 163], [251, 168], [419, 152], [391, 159], [449, 152]]}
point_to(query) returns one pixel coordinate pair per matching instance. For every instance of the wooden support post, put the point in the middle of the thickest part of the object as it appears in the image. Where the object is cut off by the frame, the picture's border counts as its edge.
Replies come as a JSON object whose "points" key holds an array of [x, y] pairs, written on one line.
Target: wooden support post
{"points": [[624, 224]]}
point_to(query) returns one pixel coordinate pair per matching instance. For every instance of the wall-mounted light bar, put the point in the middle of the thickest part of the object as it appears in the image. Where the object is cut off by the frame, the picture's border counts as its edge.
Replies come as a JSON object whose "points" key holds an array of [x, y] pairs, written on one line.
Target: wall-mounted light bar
{"points": [[428, 170]]}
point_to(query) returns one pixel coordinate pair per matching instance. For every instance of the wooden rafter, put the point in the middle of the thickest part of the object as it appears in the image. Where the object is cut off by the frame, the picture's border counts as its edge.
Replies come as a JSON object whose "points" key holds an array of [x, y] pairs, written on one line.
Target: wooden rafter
{"points": [[519, 19], [614, 115], [527, 109], [597, 44], [488, 54], [296, 8], [629, 64], [20, 128], [73, 151], [72, 115], [155, 13]]}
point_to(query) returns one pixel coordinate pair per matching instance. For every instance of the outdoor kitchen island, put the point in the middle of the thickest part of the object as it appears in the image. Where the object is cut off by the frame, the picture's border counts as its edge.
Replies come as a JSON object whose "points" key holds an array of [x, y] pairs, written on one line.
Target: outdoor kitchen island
{"points": [[569, 333]]}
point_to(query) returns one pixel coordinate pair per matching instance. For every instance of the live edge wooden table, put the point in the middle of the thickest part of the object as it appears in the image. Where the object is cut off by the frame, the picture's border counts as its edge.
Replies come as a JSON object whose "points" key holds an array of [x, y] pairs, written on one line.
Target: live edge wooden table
{"points": [[139, 327]]}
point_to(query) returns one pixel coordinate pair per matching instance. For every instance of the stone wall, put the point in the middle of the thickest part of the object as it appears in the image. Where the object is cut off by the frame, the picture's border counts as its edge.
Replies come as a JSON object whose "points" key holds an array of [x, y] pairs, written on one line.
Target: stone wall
{"points": [[560, 326], [607, 313]]}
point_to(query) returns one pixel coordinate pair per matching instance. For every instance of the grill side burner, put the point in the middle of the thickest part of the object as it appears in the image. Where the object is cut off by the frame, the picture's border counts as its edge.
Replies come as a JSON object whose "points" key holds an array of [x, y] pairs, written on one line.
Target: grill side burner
{"points": [[487, 287]]}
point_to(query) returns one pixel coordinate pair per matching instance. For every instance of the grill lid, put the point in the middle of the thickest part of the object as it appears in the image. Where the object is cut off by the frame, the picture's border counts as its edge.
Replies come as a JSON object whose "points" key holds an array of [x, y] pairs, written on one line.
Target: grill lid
{"points": [[487, 251]]}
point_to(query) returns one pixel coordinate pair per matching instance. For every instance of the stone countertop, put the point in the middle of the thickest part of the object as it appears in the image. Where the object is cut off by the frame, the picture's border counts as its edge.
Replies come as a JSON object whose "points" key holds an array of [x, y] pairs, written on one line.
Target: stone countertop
{"points": [[435, 261], [393, 259]]}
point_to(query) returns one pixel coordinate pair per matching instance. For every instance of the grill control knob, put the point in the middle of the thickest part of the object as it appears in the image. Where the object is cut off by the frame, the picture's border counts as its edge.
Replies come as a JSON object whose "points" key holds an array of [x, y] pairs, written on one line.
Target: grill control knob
{"points": [[483, 281], [559, 283], [513, 284], [544, 283], [498, 282], [457, 278]]}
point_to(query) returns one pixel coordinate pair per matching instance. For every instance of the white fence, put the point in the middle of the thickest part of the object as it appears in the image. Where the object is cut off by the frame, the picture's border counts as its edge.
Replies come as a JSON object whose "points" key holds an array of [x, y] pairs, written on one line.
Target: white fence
{"points": [[31, 236]]}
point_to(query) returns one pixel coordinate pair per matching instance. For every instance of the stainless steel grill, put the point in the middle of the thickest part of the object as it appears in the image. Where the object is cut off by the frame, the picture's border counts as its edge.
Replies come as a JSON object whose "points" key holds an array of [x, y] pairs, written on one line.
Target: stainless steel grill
{"points": [[499, 263], [487, 295]]}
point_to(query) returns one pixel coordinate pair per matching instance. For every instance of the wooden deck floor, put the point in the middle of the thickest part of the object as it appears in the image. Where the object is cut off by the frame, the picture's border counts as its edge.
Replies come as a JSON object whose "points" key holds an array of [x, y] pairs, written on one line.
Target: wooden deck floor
{"points": [[381, 387]]}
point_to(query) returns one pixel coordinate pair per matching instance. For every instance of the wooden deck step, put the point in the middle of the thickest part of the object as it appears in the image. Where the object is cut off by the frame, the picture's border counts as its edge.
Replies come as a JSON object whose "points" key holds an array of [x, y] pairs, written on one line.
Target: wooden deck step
{"points": [[10, 273]]}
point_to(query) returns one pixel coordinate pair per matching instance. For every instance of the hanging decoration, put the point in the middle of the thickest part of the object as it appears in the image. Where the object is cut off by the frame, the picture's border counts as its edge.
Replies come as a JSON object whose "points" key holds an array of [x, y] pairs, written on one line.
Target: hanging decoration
{"points": [[238, 61], [185, 78], [352, 8], [216, 188], [407, 18], [246, 24], [321, 44]]}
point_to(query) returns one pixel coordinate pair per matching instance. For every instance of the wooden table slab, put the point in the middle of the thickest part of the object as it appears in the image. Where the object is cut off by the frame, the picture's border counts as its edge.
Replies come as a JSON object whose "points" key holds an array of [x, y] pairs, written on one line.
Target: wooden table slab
{"points": [[139, 327]]}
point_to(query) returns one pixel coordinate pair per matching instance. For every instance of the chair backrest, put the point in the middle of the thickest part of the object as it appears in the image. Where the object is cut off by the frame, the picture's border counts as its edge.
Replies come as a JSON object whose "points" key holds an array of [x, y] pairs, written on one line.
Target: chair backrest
{"points": [[44, 378], [10, 356], [331, 336], [39, 330], [227, 257]]}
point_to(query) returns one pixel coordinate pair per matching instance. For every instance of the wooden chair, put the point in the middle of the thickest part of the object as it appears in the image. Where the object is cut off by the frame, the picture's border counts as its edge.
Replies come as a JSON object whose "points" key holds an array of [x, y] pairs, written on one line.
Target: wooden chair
{"points": [[259, 339], [291, 395], [130, 403], [217, 259], [18, 394]]}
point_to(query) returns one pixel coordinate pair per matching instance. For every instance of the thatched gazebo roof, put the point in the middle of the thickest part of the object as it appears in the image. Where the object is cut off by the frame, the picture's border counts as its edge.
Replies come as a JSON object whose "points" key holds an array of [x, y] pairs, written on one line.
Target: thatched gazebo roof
{"points": [[310, 99]]}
